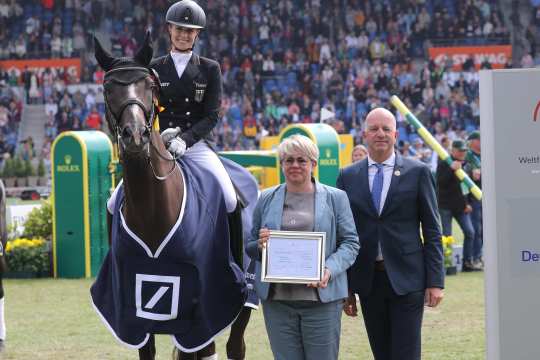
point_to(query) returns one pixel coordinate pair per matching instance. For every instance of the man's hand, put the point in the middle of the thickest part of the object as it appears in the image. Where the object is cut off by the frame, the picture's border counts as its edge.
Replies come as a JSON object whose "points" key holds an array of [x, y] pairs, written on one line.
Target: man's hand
{"points": [[324, 281], [433, 296], [468, 209], [456, 165], [349, 306]]}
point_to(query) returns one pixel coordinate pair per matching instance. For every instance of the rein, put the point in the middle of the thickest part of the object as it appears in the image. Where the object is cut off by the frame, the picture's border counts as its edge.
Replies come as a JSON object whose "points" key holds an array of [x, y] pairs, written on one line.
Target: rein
{"points": [[151, 117]]}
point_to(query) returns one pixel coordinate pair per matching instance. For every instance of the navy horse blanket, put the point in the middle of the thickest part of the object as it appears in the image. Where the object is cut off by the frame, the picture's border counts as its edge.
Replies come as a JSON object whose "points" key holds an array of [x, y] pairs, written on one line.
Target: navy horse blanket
{"points": [[247, 186], [190, 288]]}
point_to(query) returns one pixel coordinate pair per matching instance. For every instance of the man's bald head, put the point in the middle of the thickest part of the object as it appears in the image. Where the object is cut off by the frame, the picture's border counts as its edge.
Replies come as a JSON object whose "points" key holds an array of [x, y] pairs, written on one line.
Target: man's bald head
{"points": [[380, 134], [380, 113]]}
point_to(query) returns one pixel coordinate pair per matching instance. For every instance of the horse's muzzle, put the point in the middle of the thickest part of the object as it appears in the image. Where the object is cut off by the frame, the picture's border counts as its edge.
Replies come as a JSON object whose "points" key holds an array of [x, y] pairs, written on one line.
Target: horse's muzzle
{"points": [[135, 138]]}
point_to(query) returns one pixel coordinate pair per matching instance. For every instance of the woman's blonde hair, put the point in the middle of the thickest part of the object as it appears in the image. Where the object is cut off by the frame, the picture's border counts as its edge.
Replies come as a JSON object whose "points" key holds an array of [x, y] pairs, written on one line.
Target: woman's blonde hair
{"points": [[298, 144]]}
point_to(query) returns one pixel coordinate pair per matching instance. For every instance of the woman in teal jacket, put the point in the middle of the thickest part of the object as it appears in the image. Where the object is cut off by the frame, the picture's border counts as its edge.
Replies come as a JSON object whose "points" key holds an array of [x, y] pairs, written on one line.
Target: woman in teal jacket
{"points": [[304, 321]]}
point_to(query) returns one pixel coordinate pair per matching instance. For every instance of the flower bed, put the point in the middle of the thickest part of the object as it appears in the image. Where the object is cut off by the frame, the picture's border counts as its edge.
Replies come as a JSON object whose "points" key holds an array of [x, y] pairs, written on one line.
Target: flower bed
{"points": [[27, 258]]}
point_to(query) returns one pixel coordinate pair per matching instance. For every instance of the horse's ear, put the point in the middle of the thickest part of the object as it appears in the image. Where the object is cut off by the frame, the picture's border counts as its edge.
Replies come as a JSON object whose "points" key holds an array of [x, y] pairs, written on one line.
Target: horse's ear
{"points": [[144, 55], [103, 57]]}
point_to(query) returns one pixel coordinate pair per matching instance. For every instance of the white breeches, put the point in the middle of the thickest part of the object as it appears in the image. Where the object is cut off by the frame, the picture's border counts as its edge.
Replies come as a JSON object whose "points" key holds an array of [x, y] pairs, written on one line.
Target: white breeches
{"points": [[201, 154]]}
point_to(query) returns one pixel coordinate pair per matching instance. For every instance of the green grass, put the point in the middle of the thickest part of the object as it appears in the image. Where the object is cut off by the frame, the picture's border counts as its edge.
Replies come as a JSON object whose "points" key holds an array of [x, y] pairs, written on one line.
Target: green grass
{"points": [[17, 201], [54, 319]]}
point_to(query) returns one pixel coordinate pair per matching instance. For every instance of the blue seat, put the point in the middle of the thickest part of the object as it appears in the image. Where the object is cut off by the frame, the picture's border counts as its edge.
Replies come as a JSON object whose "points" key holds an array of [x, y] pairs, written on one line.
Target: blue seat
{"points": [[413, 137], [47, 16], [270, 85], [403, 134], [470, 128], [291, 79]]}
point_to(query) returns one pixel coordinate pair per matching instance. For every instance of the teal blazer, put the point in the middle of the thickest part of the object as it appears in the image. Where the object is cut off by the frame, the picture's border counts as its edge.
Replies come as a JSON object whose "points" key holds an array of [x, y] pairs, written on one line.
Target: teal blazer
{"points": [[333, 216]]}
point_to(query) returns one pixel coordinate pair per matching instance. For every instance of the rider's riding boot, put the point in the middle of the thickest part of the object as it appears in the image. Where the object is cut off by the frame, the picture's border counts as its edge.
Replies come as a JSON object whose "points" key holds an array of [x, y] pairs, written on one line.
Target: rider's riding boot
{"points": [[236, 235]]}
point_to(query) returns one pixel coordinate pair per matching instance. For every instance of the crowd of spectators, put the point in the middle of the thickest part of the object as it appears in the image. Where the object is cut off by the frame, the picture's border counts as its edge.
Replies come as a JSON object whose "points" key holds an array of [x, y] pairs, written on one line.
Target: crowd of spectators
{"points": [[282, 60], [10, 117], [532, 34]]}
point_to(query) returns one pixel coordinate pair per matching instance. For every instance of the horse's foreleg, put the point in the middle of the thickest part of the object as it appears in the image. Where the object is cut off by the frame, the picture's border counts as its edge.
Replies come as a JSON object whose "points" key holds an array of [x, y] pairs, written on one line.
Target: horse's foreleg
{"points": [[236, 347], [207, 353], [148, 351]]}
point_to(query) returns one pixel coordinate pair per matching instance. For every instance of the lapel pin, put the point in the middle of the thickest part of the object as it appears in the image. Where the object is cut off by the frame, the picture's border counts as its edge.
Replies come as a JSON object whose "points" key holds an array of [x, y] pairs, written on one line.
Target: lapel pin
{"points": [[397, 172]]}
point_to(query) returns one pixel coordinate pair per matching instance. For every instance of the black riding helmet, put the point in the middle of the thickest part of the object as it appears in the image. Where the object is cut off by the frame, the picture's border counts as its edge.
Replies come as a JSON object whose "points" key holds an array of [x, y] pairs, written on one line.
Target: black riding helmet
{"points": [[186, 13]]}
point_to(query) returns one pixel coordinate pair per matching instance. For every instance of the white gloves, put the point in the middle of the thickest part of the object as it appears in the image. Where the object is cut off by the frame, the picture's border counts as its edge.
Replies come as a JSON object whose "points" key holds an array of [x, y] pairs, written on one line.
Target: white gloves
{"points": [[175, 145]]}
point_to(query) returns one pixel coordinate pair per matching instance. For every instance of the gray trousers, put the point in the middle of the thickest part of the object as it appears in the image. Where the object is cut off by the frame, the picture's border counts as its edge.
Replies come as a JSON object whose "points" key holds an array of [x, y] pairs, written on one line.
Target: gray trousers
{"points": [[303, 330]]}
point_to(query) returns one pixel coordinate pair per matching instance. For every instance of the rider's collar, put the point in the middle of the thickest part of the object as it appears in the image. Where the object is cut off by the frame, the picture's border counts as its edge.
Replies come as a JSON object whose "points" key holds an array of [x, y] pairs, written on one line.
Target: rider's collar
{"points": [[181, 56]]}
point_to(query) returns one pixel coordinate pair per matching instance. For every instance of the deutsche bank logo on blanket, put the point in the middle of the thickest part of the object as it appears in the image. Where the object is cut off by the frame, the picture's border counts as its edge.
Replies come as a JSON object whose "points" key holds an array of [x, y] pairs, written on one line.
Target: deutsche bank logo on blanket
{"points": [[156, 296]]}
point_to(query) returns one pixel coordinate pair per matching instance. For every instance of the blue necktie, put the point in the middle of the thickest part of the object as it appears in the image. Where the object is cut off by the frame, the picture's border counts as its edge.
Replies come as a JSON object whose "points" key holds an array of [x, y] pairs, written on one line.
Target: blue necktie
{"points": [[376, 188]]}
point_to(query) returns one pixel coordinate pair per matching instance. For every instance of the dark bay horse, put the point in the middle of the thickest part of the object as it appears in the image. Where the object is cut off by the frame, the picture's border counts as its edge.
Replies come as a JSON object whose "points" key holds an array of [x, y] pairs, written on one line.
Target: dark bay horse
{"points": [[170, 269]]}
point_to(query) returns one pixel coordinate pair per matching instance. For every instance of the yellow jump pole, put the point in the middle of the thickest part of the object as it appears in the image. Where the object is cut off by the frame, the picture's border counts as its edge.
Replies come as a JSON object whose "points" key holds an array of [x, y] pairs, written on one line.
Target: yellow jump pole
{"points": [[433, 144]]}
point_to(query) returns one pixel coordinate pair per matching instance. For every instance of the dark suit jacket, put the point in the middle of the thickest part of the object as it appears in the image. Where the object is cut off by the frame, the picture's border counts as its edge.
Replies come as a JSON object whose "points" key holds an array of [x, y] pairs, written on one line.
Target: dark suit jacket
{"points": [[411, 204], [191, 102]]}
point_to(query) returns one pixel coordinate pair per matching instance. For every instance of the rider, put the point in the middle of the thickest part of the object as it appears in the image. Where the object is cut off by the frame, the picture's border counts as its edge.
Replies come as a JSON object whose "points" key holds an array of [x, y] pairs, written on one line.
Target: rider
{"points": [[191, 94]]}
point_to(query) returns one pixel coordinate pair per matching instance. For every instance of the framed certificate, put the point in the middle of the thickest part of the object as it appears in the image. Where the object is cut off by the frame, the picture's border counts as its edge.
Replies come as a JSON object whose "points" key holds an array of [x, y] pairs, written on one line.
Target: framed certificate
{"points": [[294, 257]]}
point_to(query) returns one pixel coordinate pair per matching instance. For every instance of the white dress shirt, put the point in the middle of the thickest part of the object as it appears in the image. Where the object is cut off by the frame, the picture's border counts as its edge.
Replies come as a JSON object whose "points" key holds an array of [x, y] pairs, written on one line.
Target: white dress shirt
{"points": [[180, 61], [388, 169]]}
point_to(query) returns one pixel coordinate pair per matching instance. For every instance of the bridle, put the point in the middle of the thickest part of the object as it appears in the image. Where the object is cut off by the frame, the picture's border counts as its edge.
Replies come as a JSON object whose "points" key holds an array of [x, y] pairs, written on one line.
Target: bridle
{"points": [[150, 115]]}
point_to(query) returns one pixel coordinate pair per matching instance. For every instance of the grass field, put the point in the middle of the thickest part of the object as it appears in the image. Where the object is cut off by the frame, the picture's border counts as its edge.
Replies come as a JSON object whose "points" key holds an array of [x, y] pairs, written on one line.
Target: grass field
{"points": [[54, 320]]}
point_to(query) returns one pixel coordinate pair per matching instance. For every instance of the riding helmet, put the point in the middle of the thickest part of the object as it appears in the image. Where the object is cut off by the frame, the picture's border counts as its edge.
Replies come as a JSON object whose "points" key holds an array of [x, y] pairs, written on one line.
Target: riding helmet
{"points": [[186, 13]]}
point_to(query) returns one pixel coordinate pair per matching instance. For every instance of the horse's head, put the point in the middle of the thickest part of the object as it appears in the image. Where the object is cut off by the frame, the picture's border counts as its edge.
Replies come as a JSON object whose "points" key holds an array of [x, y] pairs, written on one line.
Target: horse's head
{"points": [[130, 90]]}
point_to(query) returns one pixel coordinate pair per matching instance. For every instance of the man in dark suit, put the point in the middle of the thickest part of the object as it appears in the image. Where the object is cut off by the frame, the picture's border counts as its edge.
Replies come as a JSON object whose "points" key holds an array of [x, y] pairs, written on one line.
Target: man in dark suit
{"points": [[396, 272], [191, 94]]}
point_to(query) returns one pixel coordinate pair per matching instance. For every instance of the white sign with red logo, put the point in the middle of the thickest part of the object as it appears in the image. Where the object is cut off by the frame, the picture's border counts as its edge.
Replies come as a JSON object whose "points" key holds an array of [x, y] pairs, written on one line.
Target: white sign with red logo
{"points": [[511, 208]]}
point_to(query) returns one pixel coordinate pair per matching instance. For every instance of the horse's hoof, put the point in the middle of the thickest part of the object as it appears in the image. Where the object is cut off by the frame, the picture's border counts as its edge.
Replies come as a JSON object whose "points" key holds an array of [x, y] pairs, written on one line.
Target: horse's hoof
{"points": [[2, 345], [175, 353]]}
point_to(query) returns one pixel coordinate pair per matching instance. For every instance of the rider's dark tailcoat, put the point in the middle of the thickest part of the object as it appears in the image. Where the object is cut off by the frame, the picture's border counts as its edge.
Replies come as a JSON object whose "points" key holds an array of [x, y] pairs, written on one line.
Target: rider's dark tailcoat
{"points": [[192, 101]]}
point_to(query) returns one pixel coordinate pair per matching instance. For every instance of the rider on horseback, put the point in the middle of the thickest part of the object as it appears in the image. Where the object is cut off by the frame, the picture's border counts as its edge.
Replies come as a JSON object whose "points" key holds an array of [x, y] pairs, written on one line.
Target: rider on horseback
{"points": [[191, 94]]}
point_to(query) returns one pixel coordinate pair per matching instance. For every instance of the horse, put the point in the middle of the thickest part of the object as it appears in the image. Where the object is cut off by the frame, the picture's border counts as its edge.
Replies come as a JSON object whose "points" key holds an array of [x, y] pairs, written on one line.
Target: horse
{"points": [[3, 266], [170, 268]]}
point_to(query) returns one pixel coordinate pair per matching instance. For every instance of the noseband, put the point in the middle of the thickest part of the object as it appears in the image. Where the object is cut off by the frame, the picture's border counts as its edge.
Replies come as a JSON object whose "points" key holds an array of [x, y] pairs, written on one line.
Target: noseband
{"points": [[126, 76]]}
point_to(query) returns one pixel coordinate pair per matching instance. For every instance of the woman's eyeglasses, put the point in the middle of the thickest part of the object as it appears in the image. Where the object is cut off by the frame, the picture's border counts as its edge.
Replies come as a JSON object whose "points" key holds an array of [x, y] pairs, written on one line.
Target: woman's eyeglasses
{"points": [[289, 161]]}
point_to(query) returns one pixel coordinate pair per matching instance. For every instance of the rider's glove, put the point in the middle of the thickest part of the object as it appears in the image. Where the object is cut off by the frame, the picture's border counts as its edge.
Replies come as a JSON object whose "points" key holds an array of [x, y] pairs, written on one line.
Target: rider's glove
{"points": [[175, 145], [169, 134]]}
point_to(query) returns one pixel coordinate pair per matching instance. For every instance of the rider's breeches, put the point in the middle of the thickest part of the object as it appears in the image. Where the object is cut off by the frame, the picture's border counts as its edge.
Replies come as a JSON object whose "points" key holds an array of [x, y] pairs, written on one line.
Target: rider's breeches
{"points": [[201, 154]]}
